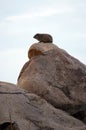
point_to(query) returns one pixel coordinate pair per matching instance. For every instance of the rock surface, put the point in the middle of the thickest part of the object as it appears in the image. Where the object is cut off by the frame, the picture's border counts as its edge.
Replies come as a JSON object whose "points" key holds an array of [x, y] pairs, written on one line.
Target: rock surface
{"points": [[27, 111], [57, 77]]}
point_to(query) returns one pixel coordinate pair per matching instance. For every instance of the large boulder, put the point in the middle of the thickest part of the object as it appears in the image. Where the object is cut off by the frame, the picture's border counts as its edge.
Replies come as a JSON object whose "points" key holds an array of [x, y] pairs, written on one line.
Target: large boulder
{"points": [[20, 110], [56, 76]]}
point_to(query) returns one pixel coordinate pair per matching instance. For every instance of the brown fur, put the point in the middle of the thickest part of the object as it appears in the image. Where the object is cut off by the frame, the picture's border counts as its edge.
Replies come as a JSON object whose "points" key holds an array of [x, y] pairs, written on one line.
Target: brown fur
{"points": [[46, 38]]}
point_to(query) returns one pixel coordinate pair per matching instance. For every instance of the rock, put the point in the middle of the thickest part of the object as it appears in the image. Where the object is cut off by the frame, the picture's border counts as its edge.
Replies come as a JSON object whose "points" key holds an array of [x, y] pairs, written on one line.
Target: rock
{"points": [[26, 111], [56, 76], [39, 48]]}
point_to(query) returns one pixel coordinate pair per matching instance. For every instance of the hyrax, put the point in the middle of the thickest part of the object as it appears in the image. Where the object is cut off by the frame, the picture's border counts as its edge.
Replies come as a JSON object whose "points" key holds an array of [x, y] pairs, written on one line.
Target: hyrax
{"points": [[46, 38]]}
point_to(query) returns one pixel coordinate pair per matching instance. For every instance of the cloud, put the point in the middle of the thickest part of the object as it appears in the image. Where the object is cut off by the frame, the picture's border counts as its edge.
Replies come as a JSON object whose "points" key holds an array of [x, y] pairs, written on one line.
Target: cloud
{"points": [[22, 23], [44, 12], [31, 16], [11, 62]]}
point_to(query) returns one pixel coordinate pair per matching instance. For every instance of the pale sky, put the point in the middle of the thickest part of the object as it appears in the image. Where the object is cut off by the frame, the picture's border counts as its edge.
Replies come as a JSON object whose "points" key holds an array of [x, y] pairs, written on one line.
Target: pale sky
{"points": [[65, 20]]}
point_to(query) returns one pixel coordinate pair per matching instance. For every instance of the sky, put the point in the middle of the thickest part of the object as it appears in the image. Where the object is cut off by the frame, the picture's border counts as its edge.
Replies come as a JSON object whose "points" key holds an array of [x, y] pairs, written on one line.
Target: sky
{"points": [[20, 20]]}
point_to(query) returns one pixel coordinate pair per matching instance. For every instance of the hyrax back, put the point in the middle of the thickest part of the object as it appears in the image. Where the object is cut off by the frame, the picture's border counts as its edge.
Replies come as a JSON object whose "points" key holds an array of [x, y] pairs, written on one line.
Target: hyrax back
{"points": [[46, 38]]}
